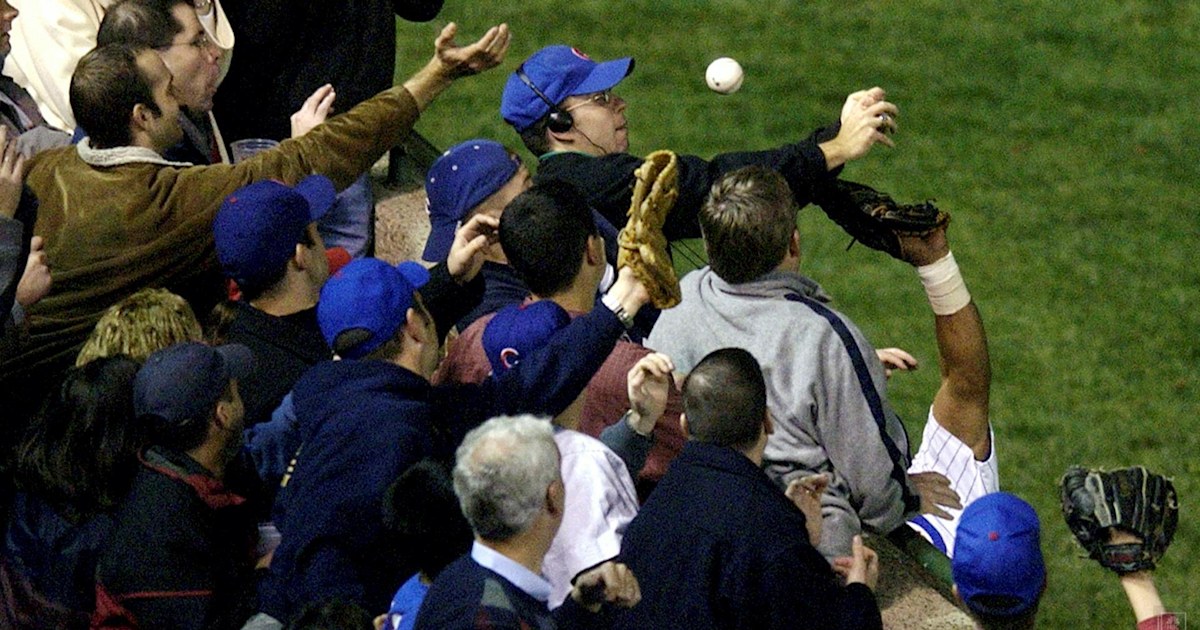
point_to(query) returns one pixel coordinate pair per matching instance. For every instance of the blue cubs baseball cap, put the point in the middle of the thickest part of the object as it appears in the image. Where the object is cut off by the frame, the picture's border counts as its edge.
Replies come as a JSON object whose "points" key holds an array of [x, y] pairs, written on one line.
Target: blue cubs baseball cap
{"points": [[558, 71], [517, 330], [257, 227], [367, 301], [185, 381], [997, 564], [457, 182]]}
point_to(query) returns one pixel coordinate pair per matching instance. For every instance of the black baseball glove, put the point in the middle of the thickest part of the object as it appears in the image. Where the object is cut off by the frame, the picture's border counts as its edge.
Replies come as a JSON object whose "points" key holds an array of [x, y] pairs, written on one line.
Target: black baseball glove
{"points": [[875, 219], [1134, 500]]}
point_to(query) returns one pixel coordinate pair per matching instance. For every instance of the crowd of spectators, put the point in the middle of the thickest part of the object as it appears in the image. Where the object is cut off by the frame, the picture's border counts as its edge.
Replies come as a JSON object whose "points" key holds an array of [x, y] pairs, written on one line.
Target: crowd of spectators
{"points": [[507, 435]]}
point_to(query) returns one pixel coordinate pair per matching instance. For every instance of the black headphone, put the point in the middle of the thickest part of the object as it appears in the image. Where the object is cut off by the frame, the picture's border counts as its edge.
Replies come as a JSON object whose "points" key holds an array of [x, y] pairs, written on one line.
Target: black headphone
{"points": [[560, 120]]}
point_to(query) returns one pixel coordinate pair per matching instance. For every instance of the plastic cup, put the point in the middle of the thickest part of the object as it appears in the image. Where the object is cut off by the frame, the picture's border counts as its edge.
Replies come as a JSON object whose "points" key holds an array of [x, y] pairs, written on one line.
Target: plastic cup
{"points": [[247, 147]]}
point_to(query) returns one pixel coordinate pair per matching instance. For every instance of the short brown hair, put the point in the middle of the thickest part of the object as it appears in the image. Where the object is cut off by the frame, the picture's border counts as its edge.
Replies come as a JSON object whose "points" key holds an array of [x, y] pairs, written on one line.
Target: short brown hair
{"points": [[149, 320], [105, 87], [747, 221]]}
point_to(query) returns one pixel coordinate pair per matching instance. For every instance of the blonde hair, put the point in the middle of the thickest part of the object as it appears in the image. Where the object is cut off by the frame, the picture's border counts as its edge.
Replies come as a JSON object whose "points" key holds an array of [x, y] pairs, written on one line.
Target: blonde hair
{"points": [[149, 320]]}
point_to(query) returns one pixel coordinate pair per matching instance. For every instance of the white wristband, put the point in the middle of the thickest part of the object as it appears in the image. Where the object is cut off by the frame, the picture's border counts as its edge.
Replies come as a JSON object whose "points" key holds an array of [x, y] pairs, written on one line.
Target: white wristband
{"points": [[944, 285]]}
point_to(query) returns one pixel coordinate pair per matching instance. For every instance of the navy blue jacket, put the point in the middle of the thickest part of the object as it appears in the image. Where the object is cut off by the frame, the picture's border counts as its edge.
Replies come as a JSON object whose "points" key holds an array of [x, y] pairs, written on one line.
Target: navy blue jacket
{"points": [[57, 555], [717, 545], [363, 423], [467, 596]]}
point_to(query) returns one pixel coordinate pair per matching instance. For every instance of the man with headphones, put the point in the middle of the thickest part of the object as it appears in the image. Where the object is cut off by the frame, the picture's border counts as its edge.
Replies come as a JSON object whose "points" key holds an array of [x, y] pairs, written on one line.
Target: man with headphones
{"points": [[563, 106]]}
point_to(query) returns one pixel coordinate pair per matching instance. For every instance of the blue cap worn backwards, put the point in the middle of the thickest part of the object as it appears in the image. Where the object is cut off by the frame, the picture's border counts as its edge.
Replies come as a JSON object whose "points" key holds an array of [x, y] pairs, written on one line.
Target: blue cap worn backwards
{"points": [[457, 182], [520, 329], [258, 226], [997, 565], [559, 72], [369, 298]]}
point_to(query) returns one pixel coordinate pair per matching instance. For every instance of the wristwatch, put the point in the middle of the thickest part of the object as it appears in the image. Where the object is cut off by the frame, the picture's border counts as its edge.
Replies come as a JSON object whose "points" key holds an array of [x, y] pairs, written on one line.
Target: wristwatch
{"points": [[622, 315], [202, 6]]}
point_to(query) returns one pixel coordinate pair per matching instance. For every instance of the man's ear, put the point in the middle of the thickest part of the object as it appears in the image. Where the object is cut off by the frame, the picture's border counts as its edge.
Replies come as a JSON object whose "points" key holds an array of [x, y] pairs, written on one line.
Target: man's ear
{"points": [[564, 137], [223, 414], [683, 425], [414, 326], [794, 244], [556, 498], [595, 250], [300, 257], [768, 423], [143, 115]]}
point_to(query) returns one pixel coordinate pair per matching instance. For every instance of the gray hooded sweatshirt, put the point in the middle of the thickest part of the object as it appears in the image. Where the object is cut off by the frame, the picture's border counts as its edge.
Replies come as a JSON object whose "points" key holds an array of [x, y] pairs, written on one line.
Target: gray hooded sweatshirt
{"points": [[826, 391]]}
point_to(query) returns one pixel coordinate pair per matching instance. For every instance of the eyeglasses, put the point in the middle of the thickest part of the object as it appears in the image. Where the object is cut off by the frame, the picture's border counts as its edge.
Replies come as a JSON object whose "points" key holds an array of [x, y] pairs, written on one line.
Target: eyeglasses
{"points": [[603, 99], [201, 42]]}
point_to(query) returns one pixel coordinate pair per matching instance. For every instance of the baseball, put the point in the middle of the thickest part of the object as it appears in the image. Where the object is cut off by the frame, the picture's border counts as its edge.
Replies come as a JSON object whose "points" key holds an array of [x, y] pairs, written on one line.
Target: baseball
{"points": [[724, 75]]}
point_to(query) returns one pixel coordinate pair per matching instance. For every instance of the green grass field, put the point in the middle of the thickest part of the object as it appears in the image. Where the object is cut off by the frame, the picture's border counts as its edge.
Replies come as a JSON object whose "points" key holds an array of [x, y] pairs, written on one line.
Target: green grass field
{"points": [[1060, 135]]}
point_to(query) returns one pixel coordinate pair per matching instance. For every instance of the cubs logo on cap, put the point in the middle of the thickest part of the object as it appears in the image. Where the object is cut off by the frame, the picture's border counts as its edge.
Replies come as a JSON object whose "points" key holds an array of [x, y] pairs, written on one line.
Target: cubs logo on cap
{"points": [[518, 330]]}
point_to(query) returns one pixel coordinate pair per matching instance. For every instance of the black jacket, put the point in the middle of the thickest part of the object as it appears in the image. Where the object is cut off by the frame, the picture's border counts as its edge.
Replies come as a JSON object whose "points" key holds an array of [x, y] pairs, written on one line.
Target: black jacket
{"points": [[284, 348], [182, 553], [286, 50], [608, 181]]}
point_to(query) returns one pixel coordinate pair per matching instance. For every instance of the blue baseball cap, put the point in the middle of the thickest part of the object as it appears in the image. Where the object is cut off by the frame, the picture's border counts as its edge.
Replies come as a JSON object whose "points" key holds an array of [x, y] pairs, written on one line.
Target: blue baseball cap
{"points": [[370, 299], [517, 330], [185, 381], [559, 72], [457, 182], [258, 226], [997, 564]]}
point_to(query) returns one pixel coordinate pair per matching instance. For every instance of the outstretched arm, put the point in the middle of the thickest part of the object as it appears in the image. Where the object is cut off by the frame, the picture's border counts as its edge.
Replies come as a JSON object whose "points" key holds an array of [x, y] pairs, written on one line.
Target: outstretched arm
{"points": [[1143, 595], [451, 61], [961, 403]]}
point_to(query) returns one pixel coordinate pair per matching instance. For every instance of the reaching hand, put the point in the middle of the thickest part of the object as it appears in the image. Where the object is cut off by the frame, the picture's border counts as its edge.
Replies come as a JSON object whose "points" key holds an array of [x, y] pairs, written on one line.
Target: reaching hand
{"points": [[611, 582], [629, 292], [866, 119], [459, 61], [895, 359], [35, 282], [648, 384], [313, 111], [936, 493], [806, 494], [861, 99], [861, 568], [466, 252], [12, 174]]}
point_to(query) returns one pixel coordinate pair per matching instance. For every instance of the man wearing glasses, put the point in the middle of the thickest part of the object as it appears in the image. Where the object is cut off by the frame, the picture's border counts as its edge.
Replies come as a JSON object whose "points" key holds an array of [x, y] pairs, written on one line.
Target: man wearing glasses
{"points": [[563, 106], [52, 35], [171, 28]]}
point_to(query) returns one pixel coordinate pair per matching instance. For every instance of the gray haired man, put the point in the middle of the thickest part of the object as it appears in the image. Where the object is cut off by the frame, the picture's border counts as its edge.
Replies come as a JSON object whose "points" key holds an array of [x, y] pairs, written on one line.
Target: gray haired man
{"points": [[509, 487]]}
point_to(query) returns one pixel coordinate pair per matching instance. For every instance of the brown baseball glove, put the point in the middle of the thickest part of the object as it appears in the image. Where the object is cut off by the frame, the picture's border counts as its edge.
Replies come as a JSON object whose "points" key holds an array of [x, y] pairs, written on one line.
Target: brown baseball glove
{"points": [[643, 246]]}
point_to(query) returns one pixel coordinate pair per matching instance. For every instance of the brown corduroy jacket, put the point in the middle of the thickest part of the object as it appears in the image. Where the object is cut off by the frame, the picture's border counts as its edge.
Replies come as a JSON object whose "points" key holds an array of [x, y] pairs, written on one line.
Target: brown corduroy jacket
{"points": [[119, 220]]}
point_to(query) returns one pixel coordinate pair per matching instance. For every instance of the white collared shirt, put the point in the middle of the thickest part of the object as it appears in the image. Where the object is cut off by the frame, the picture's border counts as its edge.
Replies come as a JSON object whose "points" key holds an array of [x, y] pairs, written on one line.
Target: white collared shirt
{"points": [[531, 583]]}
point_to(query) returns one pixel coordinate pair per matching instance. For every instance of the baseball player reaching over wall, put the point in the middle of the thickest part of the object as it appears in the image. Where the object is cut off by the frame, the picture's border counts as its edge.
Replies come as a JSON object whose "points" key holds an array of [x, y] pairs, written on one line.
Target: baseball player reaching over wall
{"points": [[957, 440]]}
